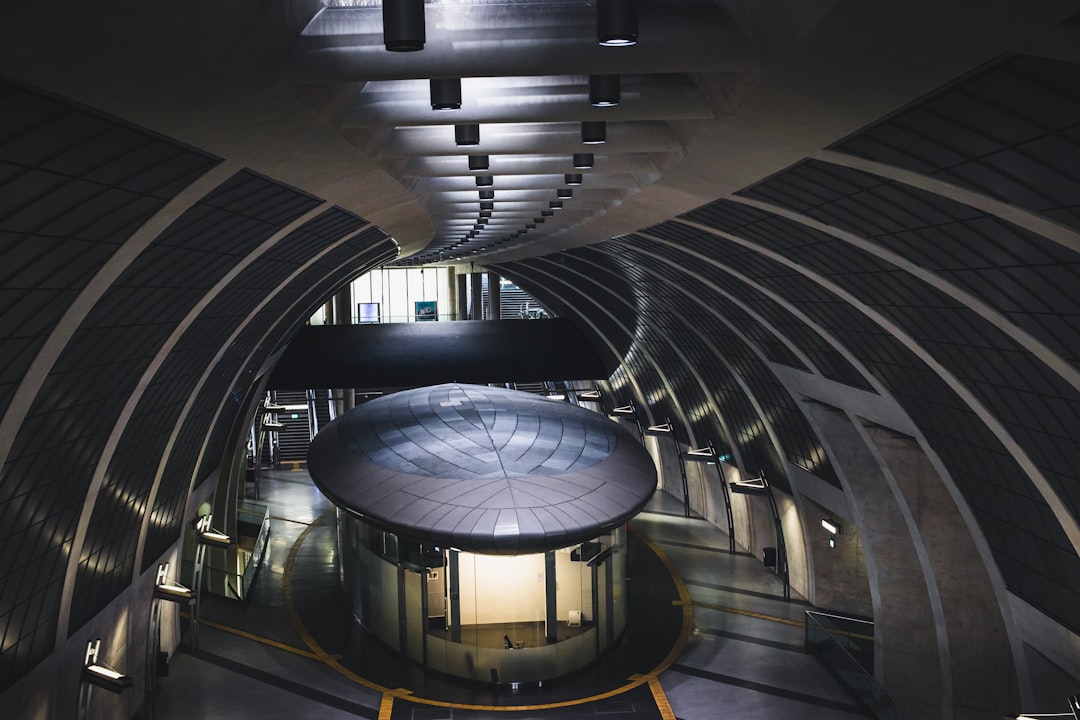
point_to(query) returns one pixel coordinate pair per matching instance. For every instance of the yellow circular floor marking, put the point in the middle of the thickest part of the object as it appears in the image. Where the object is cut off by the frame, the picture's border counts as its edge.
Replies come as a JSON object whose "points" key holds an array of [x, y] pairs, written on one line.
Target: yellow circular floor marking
{"points": [[334, 662]]}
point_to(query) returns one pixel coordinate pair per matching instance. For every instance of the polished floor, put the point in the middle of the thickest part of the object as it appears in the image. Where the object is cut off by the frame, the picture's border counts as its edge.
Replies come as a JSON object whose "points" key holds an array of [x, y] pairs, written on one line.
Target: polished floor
{"points": [[290, 651]]}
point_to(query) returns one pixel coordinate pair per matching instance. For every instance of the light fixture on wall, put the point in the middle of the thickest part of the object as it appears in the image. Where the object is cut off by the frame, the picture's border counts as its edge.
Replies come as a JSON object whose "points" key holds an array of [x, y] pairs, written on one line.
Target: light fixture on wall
{"points": [[478, 162], [583, 161], [616, 22], [485, 213], [165, 589], [403, 25], [487, 205], [750, 486], [589, 395], [101, 675], [547, 213], [487, 194], [661, 429], [604, 90], [572, 178], [485, 180], [445, 93], [538, 220], [564, 193], [467, 134], [555, 204], [833, 528], [593, 132]]}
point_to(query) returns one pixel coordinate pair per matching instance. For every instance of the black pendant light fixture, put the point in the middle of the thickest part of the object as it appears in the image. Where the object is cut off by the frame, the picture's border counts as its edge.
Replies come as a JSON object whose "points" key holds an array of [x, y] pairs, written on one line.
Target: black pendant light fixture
{"points": [[445, 93], [403, 25], [604, 90], [616, 22], [593, 132], [583, 161], [467, 134], [572, 178], [478, 162]]}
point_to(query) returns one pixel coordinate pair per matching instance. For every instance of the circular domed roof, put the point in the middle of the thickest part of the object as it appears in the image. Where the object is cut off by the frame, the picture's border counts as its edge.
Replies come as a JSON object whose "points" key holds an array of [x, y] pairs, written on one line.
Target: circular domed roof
{"points": [[482, 469]]}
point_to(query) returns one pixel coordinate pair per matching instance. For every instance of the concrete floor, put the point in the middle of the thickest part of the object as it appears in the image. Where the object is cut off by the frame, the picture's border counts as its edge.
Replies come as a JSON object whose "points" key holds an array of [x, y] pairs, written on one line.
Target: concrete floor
{"points": [[743, 659]]}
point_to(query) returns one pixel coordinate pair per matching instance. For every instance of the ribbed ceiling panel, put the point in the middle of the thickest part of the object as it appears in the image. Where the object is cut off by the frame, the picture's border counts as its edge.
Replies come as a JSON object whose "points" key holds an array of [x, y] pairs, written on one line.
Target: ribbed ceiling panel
{"points": [[1010, 130]]}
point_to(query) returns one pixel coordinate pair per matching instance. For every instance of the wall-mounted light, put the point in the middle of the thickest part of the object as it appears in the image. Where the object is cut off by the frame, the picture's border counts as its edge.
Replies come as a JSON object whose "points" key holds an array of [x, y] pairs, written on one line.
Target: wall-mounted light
{"points": [[555, 204], [564, 193], [624, 410], [572, 178], [485, 180], [206, 535], [530, 226], [831, 526], [479, 162], [547, 213], [539, 220], [467, 134], [165, 589], [616, 22], [583, 161], [662, 429], [705, 454], [589, 395], [485, 213], [604, 90], [101, 675], [750, 486], [403, 25], [487, 205], [487, 194], [593, 132], [445, 93]]}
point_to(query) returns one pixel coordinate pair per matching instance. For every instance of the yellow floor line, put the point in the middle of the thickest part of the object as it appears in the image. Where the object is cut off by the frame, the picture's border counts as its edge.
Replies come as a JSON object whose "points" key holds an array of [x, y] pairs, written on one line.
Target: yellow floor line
{"points": [[334, 660], [748, 613], [386, 708], [662, 704]]}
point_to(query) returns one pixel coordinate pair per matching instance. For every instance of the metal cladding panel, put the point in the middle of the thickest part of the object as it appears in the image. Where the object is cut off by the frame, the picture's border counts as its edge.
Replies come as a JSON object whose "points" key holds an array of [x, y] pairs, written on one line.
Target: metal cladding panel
{"points": [[74, 186], [1009, 130], [110, 546]]}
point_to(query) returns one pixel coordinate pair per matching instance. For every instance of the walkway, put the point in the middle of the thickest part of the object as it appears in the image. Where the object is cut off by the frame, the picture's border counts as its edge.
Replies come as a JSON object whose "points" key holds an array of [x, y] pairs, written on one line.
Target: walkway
{"points": [[743, 659]]}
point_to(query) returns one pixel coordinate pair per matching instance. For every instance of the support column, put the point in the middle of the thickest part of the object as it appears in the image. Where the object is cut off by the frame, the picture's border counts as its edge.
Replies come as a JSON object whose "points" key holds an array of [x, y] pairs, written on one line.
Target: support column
{"points": [[551, 607], [494, 296], [910, 650], [462, 297], [344, 398], [476, 309]]}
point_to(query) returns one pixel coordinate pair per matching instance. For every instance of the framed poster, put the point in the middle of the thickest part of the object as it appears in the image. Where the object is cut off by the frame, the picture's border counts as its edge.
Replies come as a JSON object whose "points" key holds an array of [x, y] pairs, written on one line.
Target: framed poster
{"points": [[427, 311], [368, 313]]}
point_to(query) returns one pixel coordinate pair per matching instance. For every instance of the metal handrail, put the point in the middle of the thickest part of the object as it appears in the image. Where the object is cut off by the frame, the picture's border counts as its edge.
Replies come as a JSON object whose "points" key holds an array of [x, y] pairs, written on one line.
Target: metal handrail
{"points": [[848, 670]]}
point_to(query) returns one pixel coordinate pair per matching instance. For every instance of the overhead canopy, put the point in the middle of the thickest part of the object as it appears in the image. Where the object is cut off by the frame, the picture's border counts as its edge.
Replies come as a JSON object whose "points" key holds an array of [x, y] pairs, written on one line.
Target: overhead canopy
{"points": [[482, 469]]}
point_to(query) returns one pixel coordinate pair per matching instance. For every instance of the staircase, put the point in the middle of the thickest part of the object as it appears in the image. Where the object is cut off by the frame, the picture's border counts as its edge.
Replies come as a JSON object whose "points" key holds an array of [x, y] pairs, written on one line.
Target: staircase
{"points": [[294, 439]]}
